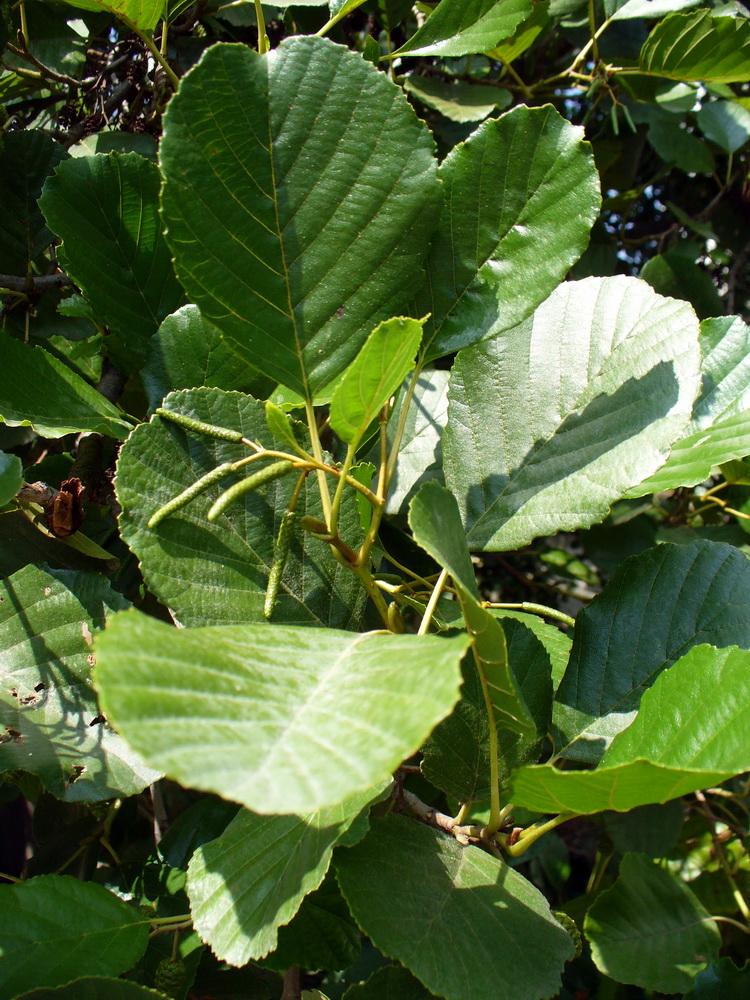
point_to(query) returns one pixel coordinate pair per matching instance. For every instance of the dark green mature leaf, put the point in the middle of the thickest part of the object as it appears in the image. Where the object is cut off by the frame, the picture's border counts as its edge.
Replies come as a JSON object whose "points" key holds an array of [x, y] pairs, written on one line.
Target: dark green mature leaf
{"points": [[106, 211], [725, 123], [656, 607], [457, 100], [63, 928], [720, 426], [436, 525], [11, 477], [699, 46], [94, 988], [676, 275], [26, 159], [217, 573], [722, 980], [278, 718], [392, 982], [50, 720], [61, 401], [244, 885], [463, 27], [680, 148], [476, 927], [375, 374], [649, 929], [521, 195], [186, 351], [587, 395], [322, 934], [263, 155], [650, 830], [690, 732]]}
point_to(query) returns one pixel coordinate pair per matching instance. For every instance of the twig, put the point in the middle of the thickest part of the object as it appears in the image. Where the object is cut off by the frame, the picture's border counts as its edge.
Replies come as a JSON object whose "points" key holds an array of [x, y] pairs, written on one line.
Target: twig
{"points": [[34, 284], [292, 989]]}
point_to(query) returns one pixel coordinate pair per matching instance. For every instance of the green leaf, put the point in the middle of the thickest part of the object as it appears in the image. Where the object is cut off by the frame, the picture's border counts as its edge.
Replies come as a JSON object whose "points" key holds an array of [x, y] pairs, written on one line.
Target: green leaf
{"points": [[725, 123], [94, 988], [143, 14], [651, 830], [556, 643], [655, 608], [591, 392], [680, 148], [688, 734], [436, 525], [322, 934], [26, 159], [392, 982], [457, 100], [457, 902], [106, 212], [186, 351], [278, 718], [720, 427], [51, 724], [699, 46], [252, 879], [650, 9], [231, 557], [373, 377], [650, 930], [722, 980], [61, 401], [63, 928], [257, 166], [673, 274], [510, 231], [524, 36], [463, 27], [11, 477]]}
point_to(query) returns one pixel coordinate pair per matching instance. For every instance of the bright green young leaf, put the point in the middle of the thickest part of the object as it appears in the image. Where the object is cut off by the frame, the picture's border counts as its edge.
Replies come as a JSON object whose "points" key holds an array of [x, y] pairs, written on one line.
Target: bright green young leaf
{"points": [[690, 733], [51, 723], [143, 14], [11, 477], [458, 903], [26, 160], [457, 100], [649, 929], [650, 9], [94, 988], [63, 928], [463, 27], [720, 426], [373, 377], [656, 606], [186, 351], [725, 123], [524, 36], [105, 210], [244, 885], [699, 46], [587, 395], [391, 982], [61, 401], [232, 557], [278, 718], [293, 234], [322, 934], [521, 195], [436, 525]]}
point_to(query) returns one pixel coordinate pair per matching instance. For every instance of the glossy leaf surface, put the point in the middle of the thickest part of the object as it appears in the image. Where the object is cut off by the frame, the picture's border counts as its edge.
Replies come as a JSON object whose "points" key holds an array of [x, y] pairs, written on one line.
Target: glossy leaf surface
{"points": [[550, 424], [296, 236], [458, 903], [699, 46], [463, 27], [639, 625], [278, 718], [52, 726]]}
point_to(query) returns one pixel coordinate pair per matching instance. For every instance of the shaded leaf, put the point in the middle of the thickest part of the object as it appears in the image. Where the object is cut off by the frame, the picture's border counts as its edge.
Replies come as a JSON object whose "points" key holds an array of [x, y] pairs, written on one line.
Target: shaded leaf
{"points": [[699, 46], [463, 27], [521, 195], [278, 718], [254, 179], [458, 903], [392, 982], [252, 879], [649, 929], [62, 928], [457, 100], [52, 726], [725, 123], [587, 395], [11, 477], [94, 988], [722, 980], [678, 276], [655, 608], [61, 401]]}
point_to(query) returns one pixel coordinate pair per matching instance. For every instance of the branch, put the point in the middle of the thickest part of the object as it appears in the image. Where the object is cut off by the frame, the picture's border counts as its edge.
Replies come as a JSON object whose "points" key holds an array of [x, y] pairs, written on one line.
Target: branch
{"points": [[34, 284]]}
